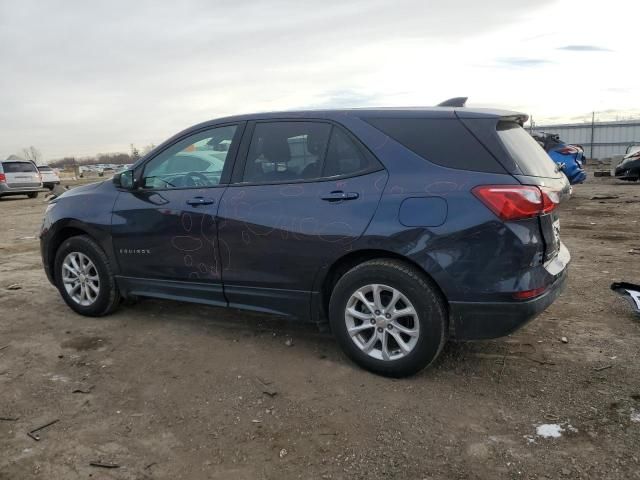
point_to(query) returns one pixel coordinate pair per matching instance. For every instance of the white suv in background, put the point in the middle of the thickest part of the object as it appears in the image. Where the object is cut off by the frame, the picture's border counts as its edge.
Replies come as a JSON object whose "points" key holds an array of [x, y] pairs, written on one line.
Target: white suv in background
{"points": [[50, 177], [19, 177]]}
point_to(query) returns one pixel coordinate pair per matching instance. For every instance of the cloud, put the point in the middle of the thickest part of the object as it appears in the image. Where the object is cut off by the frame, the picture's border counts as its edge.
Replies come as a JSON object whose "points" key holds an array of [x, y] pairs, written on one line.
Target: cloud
{"points": [[348, 98], [521, 62], [584, 48], [84, 77]]}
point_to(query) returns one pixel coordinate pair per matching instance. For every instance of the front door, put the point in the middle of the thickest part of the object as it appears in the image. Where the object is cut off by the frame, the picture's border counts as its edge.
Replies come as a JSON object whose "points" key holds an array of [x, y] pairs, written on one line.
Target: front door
{"points": [[165, 232], [306, 192]]}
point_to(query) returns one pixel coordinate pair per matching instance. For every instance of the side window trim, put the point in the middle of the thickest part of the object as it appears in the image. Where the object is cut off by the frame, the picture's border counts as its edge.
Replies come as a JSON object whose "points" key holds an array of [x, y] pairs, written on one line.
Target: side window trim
{"points": [[243, 151], [230, 160]]}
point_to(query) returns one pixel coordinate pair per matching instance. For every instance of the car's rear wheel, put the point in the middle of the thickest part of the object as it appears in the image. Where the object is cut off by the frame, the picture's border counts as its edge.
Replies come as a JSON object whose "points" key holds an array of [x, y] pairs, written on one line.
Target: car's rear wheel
{"points": [[84, 277], [388, 317]]}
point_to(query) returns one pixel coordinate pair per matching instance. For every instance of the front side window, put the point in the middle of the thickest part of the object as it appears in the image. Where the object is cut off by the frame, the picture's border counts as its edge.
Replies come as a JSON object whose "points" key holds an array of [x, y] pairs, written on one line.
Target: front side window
{"points": [[195, 162], [286, 152]]}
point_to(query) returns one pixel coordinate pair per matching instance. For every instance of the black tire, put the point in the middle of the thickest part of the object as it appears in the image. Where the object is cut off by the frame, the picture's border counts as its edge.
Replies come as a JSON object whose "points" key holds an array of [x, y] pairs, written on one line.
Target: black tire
{"points": [[418, 289], [33, 195], [108, 297]]}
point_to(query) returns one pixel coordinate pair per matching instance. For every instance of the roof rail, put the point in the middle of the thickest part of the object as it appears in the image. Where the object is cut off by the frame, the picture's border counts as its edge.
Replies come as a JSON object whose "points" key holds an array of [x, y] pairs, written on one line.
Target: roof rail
{"points": [[454, 102]]}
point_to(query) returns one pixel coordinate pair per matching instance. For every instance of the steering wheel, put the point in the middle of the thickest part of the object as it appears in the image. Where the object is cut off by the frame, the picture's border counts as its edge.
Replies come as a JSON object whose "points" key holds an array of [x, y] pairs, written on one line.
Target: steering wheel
{"points": [[196, 179]]}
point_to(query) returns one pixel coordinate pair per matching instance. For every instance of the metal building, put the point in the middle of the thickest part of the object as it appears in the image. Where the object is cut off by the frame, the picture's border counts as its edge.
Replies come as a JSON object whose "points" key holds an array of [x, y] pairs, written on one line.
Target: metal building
{"points": [[599, 139]]}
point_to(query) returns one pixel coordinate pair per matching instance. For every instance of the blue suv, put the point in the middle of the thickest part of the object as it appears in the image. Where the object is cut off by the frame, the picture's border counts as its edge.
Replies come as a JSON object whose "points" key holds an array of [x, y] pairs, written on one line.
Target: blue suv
{"points": [[401, 228]]}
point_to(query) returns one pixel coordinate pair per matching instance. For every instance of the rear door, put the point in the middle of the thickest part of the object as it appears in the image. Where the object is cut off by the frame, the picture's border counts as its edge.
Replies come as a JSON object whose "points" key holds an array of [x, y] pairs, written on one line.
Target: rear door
{"points": [[21, 174], [302, 194]]}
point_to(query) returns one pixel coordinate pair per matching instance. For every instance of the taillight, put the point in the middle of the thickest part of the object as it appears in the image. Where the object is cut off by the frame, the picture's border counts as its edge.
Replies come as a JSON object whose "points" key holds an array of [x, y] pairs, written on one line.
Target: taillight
{"points": [[3, 178], [515, 202]]}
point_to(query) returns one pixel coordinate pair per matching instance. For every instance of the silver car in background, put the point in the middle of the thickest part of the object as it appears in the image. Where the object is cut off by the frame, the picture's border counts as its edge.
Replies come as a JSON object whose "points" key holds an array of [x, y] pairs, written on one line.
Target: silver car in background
{"points": [[19, 177], [50, 177]]}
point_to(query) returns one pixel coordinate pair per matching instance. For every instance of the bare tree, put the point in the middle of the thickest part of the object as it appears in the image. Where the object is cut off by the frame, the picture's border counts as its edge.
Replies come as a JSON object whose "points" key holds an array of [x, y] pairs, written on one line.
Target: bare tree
{"points": [[33, 154], [64, 162], [148, 148]]}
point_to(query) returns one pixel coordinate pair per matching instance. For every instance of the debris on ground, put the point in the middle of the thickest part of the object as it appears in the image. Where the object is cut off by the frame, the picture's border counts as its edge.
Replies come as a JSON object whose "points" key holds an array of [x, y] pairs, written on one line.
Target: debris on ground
{"points": [[549, 430], [83, 389], [564, 340], [9, 419], [604, 197], [629, 291], [104, 464], [14, 286], [283, 453], [604, 367], [34, 433], [288, 342], [267, 389]]}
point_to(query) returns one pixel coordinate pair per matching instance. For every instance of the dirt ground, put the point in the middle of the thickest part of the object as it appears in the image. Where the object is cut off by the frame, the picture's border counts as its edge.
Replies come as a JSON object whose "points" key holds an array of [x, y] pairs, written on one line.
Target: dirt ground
{"points": [[174, 391]]}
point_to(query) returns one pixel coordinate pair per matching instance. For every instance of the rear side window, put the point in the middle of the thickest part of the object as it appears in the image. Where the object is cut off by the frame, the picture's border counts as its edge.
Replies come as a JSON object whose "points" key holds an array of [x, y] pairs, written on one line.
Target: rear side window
{"points": [[445, 142], [526, 152], [45, 169], [18, 167], [344, 157]]}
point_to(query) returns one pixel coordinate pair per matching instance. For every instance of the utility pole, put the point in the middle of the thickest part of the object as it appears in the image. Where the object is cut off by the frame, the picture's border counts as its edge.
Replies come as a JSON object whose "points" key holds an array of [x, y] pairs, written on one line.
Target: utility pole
{"points": [[593, 127]]}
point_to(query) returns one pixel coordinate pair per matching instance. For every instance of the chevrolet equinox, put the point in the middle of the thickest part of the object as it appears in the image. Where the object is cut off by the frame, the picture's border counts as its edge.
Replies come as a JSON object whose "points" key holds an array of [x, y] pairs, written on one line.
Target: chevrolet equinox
{"points": [[400, 228]]}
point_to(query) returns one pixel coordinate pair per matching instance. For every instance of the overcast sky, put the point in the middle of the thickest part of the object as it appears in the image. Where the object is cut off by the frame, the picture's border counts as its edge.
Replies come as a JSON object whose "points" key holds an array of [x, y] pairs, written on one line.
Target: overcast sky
{"points": [[82, 77]]}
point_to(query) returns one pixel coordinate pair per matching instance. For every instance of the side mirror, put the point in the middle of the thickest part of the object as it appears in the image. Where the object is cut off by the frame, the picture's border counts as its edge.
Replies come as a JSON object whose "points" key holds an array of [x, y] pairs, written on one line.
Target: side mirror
{"points": [[124, 180]]}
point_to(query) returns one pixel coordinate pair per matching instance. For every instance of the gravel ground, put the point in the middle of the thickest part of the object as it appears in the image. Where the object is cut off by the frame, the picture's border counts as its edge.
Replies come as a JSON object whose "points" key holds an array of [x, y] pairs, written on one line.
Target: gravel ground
{"points": [[174, 391]]}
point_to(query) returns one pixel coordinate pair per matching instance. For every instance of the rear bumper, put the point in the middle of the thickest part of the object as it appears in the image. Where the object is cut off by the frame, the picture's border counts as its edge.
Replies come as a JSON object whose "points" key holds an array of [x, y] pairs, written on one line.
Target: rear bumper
{"points": [[485, 320], [6, 190]]}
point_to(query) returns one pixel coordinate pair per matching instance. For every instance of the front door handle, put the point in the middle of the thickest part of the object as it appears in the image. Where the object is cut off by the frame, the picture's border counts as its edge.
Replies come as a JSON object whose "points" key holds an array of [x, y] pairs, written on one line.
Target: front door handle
{"points": [[339, 196], [195, 201]]}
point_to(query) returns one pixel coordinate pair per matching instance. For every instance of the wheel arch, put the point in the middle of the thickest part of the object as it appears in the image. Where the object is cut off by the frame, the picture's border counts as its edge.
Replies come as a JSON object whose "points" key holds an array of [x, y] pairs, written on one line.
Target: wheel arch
{"points": [[351, 259], [72, 229]]}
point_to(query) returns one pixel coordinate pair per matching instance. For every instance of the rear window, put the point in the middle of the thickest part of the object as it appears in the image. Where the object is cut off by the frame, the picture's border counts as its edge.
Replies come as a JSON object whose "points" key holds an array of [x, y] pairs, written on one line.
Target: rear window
{"points": [[45, 169], [18, 167], [525, 151], [445, 142]]}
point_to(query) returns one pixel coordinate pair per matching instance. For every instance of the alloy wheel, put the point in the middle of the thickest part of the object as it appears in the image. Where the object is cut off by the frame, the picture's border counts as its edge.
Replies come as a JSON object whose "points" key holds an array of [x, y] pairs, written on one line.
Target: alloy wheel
{"points": [[382, 322], [80, 278]]}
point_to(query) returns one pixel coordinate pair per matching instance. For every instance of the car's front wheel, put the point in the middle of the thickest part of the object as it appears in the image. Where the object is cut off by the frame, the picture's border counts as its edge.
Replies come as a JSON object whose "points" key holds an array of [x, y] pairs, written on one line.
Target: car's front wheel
{"points": [[84, 277], [388, 317]]}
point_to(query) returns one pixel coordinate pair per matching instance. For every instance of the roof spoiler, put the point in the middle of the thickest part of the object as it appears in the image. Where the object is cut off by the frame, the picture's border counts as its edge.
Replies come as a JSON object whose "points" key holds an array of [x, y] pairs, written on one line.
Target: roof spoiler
{"points": [[454, 102]]}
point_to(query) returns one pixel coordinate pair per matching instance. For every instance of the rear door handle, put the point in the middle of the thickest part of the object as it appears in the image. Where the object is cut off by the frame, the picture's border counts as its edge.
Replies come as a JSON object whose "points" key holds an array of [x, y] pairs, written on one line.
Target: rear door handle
{"points": [[339, 196], [195, 201]]}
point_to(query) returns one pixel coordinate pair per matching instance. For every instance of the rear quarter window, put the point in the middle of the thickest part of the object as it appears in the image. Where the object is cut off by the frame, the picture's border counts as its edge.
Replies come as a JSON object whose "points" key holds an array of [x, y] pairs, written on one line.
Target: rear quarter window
{"points": [[18, 167], [445, 142], [525, 151]]}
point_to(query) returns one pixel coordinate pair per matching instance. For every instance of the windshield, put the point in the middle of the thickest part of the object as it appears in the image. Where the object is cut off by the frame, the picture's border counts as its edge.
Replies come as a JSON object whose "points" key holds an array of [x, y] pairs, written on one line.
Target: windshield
{"points": [[526, 152]]}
